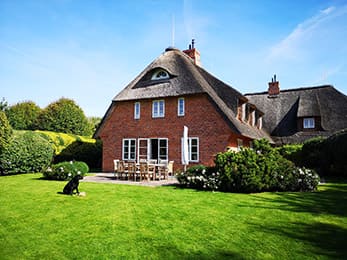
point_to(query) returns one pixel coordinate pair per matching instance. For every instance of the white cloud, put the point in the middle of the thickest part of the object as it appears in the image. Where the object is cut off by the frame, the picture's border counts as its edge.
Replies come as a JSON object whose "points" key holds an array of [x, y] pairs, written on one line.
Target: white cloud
{"points": [[294, 46]]}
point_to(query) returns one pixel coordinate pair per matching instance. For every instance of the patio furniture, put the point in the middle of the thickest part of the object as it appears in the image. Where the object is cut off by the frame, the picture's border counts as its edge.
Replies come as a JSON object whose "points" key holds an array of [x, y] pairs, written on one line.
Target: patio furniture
{"points": [[115, 167], [131, 170]]}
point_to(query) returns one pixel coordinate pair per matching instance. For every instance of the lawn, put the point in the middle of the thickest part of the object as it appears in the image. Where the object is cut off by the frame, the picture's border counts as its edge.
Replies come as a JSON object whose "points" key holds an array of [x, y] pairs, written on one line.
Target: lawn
{"points": [[131, 222]]}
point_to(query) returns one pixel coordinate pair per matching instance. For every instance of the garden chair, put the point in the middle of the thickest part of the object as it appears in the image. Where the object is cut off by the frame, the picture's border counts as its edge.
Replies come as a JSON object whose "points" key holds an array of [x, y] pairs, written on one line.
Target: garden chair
{"points": [[132, 171], [115, 167]]}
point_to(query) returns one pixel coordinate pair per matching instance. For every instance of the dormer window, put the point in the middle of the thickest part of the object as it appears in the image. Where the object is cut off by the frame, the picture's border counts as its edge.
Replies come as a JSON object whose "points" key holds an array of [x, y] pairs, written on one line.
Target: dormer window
{"points": [[160, 74], [309, 123]]}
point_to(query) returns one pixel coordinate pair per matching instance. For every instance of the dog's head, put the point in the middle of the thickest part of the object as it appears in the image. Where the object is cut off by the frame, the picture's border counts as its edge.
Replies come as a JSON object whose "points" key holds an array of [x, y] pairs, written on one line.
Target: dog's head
{"points": [[78, 177]]}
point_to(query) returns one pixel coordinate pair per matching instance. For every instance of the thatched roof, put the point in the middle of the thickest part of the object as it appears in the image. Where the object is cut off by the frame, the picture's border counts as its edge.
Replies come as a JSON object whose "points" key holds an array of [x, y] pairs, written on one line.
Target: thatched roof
{"points": [[282, 111], [186, 78]]}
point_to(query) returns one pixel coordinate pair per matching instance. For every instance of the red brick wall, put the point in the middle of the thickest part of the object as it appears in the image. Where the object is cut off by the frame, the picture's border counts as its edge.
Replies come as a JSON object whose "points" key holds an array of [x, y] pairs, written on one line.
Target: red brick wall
{"points": [[201, 117]]}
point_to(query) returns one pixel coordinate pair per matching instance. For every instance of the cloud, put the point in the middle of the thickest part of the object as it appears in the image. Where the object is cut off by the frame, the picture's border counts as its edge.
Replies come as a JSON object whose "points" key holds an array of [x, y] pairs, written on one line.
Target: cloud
{"points": [[293, 46]]}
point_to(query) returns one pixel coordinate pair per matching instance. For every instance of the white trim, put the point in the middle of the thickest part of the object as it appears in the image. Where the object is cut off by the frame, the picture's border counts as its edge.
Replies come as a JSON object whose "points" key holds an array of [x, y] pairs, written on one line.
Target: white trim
{"points": [[181, 107], [157, 106], [137, 110], [309, 123], [190, 149], [160, 74], [131, 142]]}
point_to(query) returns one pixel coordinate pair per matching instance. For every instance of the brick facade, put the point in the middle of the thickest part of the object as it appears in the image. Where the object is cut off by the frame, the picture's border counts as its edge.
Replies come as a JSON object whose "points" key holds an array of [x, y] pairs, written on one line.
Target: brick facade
{"points": [[201, 117]]}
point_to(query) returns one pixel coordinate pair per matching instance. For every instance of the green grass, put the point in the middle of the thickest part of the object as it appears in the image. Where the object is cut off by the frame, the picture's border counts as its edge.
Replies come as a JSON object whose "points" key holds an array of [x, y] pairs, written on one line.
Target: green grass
{"points": [[131, 222]]}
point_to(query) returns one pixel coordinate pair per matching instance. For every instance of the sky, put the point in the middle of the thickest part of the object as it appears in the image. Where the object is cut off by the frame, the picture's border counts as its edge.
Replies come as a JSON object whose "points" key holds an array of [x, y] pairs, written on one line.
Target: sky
{"points": [[89, 50]]}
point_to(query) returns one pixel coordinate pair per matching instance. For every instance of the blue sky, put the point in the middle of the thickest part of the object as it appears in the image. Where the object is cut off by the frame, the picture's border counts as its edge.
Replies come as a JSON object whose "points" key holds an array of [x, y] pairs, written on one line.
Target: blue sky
{"points": [[90, 50]]}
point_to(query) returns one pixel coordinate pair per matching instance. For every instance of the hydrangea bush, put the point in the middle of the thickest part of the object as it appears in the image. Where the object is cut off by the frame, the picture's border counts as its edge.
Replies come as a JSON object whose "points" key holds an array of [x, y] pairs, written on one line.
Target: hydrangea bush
{"points": [[65, 170], [250, 170]]}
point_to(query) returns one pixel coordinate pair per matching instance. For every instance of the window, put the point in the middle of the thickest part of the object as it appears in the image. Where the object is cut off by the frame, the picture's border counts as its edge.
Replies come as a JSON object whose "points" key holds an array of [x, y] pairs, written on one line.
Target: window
{"points": [[180, 107], [158, 108], [193, 143], [160, 74], [137, 110], [309, 123], [260, 122], [239, 144], [129, 149], [159, 148]]}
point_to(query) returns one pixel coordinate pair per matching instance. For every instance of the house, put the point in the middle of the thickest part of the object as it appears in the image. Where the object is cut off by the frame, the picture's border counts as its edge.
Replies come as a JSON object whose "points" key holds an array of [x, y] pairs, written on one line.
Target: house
{"points": [[295, 115], [146, 119]]}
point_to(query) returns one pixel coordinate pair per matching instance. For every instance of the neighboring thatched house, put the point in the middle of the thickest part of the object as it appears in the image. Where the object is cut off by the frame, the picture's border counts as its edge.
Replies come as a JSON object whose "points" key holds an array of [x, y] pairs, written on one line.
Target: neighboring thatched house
{"points": [[295, 115], [146, 119]]}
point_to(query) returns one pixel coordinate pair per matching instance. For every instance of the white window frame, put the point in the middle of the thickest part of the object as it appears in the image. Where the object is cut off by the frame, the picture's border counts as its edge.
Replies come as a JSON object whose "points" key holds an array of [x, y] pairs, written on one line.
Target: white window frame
{"points": [[180, 107], [239, 144], [158, 108], [137, 110], [129, 154], [260, 122], [309, 123], [190, 148], [160, 74]]}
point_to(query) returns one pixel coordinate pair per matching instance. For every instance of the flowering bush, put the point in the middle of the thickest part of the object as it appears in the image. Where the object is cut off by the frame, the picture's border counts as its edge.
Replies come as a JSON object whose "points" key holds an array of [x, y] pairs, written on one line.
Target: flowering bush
{"points": [[65, 170], [261, 169]]}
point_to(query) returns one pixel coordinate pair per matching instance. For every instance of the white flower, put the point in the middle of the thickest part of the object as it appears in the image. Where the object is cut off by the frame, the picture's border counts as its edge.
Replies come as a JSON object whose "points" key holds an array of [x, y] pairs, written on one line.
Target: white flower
{"points": [[69, 175], [78, 172], [203, 171], [71, 162], [299, 180]]}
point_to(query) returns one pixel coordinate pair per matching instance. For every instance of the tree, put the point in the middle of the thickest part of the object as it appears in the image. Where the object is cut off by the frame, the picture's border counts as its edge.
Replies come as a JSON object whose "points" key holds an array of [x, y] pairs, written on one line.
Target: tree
{"points": [[5, 131], [3, 104], [23, 115], [64, 115], [94, 123]]}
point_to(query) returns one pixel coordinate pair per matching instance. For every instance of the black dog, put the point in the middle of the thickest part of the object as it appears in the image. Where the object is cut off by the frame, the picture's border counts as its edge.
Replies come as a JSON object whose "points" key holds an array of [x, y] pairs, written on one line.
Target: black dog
{"points": [[72, 185]]}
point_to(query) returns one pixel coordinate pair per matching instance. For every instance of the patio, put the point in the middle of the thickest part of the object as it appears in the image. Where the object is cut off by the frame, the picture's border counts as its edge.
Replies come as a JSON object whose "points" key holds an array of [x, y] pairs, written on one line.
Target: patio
{"points": [[110, 178]]}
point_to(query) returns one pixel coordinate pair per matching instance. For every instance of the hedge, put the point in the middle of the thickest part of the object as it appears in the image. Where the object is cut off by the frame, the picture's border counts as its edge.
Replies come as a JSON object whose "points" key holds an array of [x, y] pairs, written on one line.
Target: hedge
{"points": [[27, 152]]}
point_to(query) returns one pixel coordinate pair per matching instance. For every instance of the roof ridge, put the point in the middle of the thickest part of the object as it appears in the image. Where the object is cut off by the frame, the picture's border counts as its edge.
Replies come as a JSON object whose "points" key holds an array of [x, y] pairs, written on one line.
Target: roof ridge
{"points": [[293, 89]]}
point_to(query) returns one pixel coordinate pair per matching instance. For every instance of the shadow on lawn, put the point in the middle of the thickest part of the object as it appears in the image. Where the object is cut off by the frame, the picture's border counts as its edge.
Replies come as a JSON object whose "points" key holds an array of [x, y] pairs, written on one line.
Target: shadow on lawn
{"points": [[332, 200], [324, 238]]}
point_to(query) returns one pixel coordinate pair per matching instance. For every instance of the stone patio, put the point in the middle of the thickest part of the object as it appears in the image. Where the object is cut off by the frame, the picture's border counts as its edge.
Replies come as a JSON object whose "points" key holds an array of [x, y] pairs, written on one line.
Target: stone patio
{"points": [[110, 178]]}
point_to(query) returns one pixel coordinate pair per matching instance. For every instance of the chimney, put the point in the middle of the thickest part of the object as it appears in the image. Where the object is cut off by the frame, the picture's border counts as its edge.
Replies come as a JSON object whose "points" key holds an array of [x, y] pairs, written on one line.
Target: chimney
{"points": [[274, 87], [193, 53]]}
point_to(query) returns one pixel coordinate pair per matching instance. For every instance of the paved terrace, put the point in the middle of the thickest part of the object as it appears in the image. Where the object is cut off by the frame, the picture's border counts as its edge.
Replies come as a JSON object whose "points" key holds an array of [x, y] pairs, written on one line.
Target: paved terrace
{"points": [[110, 178]]}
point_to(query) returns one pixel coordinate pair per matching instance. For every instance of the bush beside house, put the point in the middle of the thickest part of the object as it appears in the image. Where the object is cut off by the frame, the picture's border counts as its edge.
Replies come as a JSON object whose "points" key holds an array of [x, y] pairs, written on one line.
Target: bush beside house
{"points": [[251, 170]]}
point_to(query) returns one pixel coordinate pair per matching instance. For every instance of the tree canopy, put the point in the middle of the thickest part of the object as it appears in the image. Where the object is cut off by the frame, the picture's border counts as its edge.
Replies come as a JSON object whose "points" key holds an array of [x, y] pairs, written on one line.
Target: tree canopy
{"points": [[64, 115], [23, 115]]}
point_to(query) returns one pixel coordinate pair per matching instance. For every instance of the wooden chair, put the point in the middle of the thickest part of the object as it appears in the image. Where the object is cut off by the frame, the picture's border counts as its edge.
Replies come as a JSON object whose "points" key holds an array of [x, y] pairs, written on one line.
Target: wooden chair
{"points": [[131, 171], [143, 171], [170, 168], [121, 169], [115, 168], [151, 171]]}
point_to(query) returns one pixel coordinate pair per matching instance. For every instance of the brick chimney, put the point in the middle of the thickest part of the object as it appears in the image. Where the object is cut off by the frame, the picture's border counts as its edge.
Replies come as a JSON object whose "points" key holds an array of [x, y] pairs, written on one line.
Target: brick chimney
{"points": [[193, 53], [274, 87]]}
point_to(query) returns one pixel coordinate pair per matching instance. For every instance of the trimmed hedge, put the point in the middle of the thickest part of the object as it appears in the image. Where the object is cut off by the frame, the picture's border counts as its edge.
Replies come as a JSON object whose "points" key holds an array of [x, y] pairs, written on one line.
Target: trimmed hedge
{"points": [[5, 131], [90, 153], [61, 141], [258, 170], [27, 152], [65, 170]]}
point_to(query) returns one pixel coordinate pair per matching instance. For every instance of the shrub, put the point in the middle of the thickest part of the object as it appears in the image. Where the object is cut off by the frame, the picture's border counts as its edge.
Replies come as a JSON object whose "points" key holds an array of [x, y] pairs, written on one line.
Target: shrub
{"points": [[64, 116], [27, 152], [292, 152], [65, 170], [311, 152], [23, 116], [333, 155], [5, 132], [90, 153], [261, 169]]}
